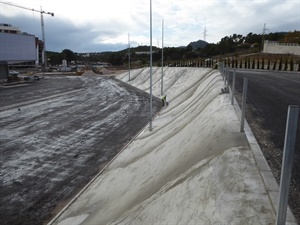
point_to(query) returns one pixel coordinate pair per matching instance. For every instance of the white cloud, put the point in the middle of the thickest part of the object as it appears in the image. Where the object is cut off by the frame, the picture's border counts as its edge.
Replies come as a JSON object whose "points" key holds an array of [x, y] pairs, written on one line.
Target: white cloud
{"points": [[109, 24]]}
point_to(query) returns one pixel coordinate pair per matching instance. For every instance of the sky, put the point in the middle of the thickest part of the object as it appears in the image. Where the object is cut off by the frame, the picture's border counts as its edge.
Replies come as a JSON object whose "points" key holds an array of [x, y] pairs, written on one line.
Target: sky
{"points": [[97, 26]]}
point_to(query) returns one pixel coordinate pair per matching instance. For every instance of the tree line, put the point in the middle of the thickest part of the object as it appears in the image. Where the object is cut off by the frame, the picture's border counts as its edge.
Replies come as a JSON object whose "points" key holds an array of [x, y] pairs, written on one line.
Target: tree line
{"points": [[233, 44]]}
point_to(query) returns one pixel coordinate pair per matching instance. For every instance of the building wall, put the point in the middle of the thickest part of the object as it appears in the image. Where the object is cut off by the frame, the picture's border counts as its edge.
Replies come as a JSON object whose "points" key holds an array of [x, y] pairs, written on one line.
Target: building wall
{"points": [[16, 48], [7, 28], [19, 48], [281, 48]]}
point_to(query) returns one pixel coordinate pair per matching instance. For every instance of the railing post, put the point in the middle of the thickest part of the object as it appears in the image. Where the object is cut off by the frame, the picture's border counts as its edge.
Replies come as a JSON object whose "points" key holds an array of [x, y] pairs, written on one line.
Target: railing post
{"points": [[221, 65], [245, 87], [227, 78], [287, 162], [233, 87]]}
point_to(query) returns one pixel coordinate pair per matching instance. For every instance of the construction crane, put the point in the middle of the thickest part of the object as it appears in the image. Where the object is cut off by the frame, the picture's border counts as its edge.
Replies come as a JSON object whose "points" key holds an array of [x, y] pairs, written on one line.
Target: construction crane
{"points": [[42, 25]]}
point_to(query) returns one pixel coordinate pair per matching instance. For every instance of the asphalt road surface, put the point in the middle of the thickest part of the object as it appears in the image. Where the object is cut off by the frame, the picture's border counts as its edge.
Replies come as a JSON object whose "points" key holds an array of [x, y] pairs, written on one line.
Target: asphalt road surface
{"points": [[268, 98], [56, 135]]}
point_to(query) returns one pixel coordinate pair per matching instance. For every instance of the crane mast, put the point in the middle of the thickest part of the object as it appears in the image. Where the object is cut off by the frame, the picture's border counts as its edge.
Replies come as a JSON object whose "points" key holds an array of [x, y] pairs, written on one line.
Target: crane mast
{"points": [[42, 26]]}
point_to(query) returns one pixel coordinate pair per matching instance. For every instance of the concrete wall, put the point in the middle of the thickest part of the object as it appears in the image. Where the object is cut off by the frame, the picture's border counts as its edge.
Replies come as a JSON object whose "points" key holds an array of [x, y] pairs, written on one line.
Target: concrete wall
{"points": [[281, 48]]}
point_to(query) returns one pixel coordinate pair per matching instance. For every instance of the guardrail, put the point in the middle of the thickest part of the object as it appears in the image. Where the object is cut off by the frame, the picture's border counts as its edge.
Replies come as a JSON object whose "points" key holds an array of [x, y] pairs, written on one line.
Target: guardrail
{"points": [[289, 142]]}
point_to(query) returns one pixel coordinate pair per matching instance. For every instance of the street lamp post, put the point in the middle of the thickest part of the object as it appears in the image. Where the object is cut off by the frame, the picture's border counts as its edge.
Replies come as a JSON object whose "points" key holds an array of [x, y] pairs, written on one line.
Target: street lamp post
{"points": [[128, 57], [162, 58], [150, 126]]}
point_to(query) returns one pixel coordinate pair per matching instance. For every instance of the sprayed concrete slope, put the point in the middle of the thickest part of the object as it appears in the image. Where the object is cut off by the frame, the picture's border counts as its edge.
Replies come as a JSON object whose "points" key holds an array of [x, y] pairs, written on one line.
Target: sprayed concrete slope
{"points": [[194, 167]]}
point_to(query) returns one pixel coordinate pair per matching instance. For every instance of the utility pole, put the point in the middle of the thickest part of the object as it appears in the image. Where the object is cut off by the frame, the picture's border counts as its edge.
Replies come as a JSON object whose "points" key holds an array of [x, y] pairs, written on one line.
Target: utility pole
{"points": [[204, 34], [42, 26], [128, 57], [162, 58], [263, 37], [150, 126]]}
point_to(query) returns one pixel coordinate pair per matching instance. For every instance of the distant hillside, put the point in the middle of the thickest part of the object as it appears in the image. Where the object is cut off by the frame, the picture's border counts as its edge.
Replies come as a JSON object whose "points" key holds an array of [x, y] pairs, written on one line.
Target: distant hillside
{"points": [[198, 44]]}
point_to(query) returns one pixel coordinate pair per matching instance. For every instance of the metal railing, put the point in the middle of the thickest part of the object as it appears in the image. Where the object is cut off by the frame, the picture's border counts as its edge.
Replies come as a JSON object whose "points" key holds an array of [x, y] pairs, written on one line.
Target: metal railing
{"points": [[289, 142]]}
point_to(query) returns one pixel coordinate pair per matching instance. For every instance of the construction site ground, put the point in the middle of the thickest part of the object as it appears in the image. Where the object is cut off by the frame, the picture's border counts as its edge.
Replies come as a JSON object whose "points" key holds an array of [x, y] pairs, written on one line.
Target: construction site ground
{"points": [[56, 134]]}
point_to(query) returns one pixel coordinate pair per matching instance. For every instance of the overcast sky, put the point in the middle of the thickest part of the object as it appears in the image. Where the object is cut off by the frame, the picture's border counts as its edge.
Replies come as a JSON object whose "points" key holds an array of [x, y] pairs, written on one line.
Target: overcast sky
{"points": [[96, 26]]}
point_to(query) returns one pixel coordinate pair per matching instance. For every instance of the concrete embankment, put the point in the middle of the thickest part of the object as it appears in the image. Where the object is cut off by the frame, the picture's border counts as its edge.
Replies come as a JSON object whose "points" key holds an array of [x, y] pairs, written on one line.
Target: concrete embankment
{"points": [[194, 167]]}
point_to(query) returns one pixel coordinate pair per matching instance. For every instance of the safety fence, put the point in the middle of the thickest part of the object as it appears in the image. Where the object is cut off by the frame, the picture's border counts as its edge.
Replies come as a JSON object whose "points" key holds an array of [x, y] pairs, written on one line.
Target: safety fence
{"points": [[289, 142]]}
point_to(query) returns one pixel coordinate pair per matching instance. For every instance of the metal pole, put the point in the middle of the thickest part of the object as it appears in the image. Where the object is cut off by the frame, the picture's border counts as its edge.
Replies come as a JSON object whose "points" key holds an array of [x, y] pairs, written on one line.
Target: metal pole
{"points": [[128, 57], [44, 41], [233, 87], [222, 69], [150, 126], [162, 58], [287, 162], [223, 72], [227, 77], [245, 87]]}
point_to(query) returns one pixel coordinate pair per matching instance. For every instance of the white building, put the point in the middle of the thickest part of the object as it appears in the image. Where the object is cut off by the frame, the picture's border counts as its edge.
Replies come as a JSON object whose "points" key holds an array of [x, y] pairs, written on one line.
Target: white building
{"points": [[19, 47], [7, 28], [275, 47]]}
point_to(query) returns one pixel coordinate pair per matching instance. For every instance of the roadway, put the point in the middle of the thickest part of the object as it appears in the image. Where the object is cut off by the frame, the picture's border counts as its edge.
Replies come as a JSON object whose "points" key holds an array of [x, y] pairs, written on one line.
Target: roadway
{"points": [[269, 95]]}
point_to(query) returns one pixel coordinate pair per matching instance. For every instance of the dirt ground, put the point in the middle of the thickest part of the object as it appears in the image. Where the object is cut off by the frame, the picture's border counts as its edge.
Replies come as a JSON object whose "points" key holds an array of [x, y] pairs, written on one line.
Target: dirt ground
{"points": [[59, 132], [269, 95], [56, 135]]}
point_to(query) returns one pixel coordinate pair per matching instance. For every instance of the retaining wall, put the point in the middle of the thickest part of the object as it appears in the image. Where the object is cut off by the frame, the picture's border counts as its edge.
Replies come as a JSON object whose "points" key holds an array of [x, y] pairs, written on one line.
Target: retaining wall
{"points": [[275, 47]]}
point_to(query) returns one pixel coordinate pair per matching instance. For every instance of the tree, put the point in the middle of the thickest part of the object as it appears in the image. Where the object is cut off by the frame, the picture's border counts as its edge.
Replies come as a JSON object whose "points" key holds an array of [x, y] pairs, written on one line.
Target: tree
{"points": [[292, 37], [55, 58], [68, 55], [116, 59]]}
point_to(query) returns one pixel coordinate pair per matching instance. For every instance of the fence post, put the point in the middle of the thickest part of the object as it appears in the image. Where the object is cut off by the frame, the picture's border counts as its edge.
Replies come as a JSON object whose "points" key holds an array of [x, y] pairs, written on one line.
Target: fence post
{"points": [[287, 162], [245, 87], [233, 87], [227, 78], [222, 71], [220, 68]]}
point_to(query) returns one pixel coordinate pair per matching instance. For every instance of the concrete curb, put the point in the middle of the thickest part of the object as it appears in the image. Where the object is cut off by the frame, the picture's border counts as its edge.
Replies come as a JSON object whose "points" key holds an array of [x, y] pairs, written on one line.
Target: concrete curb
{"points": [[268, 178]]}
